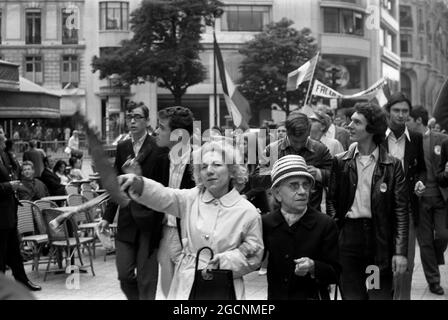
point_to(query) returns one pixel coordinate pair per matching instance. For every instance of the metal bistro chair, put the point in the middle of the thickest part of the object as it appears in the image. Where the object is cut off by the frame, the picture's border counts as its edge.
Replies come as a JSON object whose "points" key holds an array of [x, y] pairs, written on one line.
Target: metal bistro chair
{"points": [[85, 220], [63, 238], [72, 189], [86, 186], [45, 204], [27, 231], [96, 213]]}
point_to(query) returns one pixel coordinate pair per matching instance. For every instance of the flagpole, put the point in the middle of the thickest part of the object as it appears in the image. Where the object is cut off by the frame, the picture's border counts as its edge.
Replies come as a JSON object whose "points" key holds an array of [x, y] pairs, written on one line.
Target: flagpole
{"points": [[311, 80], [215, 96]]}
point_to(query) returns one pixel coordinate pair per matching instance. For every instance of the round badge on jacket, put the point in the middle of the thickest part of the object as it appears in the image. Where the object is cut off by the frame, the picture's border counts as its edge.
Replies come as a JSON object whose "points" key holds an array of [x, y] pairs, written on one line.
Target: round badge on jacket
{"points": [[383, 187], [437, 150]]}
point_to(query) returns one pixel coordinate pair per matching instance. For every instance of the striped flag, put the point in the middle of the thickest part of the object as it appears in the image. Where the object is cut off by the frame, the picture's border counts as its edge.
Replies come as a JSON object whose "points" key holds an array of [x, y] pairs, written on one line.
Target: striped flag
{"points": [[237, 104], [301, 74]]}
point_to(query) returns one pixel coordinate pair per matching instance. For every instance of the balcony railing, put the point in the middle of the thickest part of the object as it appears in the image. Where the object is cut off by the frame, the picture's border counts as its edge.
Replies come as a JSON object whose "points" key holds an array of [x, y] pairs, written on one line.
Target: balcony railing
{"points": [[33, 39]]}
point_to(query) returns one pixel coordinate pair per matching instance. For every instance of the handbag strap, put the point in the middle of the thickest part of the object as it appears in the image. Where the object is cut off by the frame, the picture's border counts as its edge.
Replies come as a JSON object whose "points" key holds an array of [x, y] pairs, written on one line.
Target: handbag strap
{"points": [[199, 253]]}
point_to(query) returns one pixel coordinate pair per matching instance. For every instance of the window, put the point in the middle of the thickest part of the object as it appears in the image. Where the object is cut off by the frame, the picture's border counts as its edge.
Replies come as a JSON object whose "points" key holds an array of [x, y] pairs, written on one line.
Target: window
{"points": [[421, 48], [406, 45], [389, 6], [69, 33], [406, 17], [388, 39], [114, 15], [70, 71], [33, 27], [421, 24], [343, 21], [33, 68], [245, 18]]}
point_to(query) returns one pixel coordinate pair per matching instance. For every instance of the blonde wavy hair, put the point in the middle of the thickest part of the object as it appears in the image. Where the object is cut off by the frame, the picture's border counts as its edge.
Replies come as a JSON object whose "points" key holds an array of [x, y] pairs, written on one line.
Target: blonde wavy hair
{"points": [[232, 158]]}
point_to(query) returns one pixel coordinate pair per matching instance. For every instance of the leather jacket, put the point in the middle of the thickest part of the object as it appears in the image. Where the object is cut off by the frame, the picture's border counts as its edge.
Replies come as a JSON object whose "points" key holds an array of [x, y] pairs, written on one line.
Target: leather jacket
{"points": [[389, 202]]}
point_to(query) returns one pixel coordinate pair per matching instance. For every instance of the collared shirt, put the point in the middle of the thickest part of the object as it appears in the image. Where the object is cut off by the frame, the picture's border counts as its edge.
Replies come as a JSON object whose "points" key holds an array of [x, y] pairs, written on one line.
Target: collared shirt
{"points": [[137, 145], [292, 218], [178, 163], [365, 166], [397, 145]]}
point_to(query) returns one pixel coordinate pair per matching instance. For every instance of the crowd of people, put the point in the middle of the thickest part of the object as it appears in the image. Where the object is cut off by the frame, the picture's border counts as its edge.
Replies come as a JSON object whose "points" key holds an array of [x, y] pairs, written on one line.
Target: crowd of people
{"points": [[327, 202]]}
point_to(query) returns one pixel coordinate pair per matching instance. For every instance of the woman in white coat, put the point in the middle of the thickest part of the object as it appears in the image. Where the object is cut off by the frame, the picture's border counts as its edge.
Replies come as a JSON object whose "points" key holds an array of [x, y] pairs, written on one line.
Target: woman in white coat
{"points": [[212, 214]]}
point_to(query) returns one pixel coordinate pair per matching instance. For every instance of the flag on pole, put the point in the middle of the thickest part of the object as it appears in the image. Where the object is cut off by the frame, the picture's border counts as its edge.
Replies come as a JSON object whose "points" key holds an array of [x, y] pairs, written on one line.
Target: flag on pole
{"points": [[301, 74], [237, 104], [383, 94]]}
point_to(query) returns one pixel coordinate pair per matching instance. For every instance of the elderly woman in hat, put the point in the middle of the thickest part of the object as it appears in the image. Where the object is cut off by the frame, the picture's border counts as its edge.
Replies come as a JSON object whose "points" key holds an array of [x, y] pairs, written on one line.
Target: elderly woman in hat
{"points": [[213, 214], [302, 242]]}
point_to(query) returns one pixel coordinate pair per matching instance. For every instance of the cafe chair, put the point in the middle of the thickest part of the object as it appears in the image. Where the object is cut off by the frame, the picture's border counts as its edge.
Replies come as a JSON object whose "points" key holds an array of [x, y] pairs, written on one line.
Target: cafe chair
{"points": [[66, 238], [29, 236], [72, 189]]}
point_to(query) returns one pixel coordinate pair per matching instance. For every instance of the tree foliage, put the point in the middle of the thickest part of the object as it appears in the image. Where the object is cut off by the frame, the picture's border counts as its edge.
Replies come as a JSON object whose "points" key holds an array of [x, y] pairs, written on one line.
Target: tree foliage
{"points": [[269, 57], [165, 46]]}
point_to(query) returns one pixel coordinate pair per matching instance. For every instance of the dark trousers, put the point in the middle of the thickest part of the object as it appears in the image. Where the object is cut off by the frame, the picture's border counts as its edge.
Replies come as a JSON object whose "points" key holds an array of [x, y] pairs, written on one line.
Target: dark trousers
{"points": [[10, 254], [356, 251], [432, 236], [137, 270]]}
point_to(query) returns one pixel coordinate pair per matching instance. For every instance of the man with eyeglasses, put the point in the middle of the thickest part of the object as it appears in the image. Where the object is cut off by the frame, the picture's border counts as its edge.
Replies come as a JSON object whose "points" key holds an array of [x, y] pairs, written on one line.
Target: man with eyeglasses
{"points": [[368, 199], [302, 242], [139, 228]]}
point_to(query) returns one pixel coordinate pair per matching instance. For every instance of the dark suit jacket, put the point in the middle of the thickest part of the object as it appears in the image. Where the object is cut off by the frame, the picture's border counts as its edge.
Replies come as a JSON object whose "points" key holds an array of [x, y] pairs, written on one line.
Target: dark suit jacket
{"points": [[53, 183], [414, 167], [136, 217], [442, 177], [8, 201], [314, 236], [436, 145]]}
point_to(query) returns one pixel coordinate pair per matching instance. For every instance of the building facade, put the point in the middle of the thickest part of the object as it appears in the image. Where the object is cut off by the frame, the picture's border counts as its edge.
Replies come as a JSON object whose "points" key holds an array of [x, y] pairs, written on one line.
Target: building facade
{"points": [[424, 49], [360, 38], [53, 42]]}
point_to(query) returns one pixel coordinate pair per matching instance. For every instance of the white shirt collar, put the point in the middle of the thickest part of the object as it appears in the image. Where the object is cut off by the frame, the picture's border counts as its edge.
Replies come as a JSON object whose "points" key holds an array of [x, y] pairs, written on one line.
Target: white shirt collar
{"points": [[406, 132], [375, 154], [227, 200], [140, 140]]}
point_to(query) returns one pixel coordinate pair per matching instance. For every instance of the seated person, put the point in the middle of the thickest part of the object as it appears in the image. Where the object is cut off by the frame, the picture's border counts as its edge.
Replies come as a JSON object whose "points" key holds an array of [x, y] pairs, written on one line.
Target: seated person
{"points": [[75, 172], [32, 189], [302, 242], [51, 180], [59, 170]]}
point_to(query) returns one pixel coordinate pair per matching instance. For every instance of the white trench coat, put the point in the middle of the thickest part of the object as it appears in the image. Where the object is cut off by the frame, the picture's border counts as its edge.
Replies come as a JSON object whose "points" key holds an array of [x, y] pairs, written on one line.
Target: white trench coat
{"points": [[230, 226]]}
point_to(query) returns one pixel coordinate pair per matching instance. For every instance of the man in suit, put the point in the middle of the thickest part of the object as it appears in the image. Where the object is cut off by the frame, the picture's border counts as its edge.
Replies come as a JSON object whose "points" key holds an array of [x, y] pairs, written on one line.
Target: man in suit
{"points": [[407, 146], [51, 180], [9, 241], [179, 175], [139, 228], [432, 231]]}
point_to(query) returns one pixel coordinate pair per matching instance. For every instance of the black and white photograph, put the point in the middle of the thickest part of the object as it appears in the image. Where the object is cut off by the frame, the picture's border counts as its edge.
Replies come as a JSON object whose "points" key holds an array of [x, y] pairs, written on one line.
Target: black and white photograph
{"points": [[226, 156]]}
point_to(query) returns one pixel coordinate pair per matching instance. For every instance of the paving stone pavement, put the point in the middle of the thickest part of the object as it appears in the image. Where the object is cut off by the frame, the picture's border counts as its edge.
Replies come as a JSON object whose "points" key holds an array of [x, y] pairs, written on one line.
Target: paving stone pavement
{"points": [[105, 286]]}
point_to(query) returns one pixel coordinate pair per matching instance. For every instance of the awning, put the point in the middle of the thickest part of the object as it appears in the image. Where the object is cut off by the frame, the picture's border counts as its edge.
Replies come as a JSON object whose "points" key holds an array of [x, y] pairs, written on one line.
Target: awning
{"points": [[32, 101]]}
